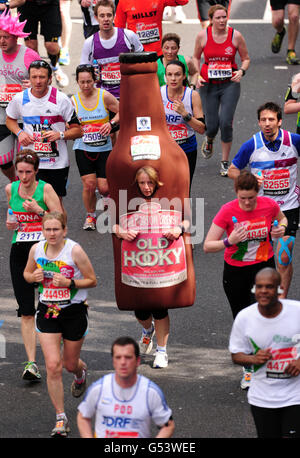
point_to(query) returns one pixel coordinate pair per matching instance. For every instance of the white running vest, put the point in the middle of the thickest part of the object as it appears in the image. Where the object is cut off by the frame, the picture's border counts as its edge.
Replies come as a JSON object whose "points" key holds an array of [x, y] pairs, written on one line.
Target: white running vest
{"points": [[64, 264], [279, 170]]}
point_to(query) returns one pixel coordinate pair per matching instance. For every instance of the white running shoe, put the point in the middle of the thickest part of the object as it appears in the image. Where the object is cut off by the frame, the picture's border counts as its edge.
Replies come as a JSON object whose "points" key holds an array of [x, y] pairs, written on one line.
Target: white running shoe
{"points": [[146, 342], [61, 78], [179, 15], [160, 360], [246, 379], [167, 13]]}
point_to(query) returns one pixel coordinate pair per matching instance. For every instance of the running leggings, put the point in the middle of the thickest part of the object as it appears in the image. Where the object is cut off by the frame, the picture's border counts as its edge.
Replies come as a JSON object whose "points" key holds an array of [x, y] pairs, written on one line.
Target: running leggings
{"points": [[238, 282], [277, 423], [219, 102]]}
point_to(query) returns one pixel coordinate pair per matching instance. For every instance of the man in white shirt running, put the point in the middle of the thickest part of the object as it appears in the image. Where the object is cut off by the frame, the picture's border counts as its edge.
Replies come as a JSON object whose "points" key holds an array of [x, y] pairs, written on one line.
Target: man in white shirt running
{"points": [[124, 403], [267, 336]]}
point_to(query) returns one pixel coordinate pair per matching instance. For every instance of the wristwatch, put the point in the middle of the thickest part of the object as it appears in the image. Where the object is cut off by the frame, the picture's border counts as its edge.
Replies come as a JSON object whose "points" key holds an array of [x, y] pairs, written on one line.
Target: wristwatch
{"points": [[72, 284], [112, 123], [187, 118], [62, 135], [42, 213], [243, 71]]}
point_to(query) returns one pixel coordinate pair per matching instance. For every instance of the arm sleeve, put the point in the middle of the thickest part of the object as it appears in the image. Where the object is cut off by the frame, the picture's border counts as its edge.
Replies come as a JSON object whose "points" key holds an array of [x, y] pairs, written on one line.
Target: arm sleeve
{"points": [[89, 404], [159, 410], [120, 17], [238, 341], [87, 51], [30, 56], [241, 159], [132, 41], [296, 142]]}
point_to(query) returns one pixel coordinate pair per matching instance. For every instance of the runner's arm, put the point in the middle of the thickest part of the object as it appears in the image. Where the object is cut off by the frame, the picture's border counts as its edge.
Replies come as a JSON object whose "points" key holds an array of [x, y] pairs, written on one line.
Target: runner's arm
{"points": [[167, 430], [84, 426], [32, 274], [83, 263]]}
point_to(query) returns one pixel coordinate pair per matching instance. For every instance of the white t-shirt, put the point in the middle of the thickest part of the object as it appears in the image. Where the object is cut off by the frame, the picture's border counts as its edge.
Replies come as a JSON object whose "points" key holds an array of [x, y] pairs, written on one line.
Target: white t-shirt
{"points": [[124, 413], [270, 387], [57, 109]]}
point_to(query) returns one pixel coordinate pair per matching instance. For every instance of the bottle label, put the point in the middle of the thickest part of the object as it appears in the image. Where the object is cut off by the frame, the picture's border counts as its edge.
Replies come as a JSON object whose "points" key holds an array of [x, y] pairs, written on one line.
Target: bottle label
{"points": [[151, 260], [7, 91], [145, 147]]}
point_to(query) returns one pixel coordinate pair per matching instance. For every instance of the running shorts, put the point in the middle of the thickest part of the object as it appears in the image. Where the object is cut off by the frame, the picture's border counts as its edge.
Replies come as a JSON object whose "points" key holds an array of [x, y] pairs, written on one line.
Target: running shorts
{"points": [[90, 163], [58, 178], [72, 321], [47, 15], [281, 4]]}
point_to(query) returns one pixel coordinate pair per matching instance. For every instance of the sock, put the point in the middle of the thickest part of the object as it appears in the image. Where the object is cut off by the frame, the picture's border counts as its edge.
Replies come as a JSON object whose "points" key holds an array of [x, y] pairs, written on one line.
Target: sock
{"points": [[61, 416], [162, 349], [53, 60], [82, 378], [148, 331], [93, 214]]}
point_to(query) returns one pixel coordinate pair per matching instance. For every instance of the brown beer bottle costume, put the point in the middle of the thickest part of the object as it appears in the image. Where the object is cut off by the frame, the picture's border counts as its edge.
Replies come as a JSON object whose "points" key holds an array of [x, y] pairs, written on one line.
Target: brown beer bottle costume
{"points": [[144, 139]]}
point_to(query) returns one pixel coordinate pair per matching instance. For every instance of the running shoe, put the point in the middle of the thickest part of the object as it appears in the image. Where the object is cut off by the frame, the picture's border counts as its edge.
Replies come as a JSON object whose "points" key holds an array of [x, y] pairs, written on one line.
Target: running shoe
{"points": [[277, 41], [64, 57], [31, 372], [61, 78], [146, 342], [61, 428], [90, 223], [78, 388], [246, 379], [207, 148], [224, 168], [167, 14], [160, 360], [291, 58], [179, 15]]}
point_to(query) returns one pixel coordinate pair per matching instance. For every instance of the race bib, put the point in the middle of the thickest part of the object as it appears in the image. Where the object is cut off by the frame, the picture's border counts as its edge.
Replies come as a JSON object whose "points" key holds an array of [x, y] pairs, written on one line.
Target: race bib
{"points": [[276, 182], [281, 358], [57, 295], [219, 70], [44, 148], [7, 91], [179, 133], [147, 35], [111, 74], [30, 232], [92, 136]]}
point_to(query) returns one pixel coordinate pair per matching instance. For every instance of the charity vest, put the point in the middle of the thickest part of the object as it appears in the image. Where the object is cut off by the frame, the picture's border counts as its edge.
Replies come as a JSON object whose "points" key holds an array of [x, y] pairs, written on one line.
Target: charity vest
{"points": [[30, 224], [91, 119], [279, 170], [219, 58], [64, 264], [180, 130]]}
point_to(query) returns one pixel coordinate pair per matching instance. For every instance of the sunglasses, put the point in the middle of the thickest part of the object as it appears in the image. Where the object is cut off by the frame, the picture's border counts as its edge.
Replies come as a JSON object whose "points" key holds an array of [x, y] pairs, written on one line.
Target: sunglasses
{"points": [[84, 67]]}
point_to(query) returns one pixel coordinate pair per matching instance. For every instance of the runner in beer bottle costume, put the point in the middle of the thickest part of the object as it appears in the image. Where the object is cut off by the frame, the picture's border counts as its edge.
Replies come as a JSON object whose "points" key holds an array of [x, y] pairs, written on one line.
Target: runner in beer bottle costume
{"points": [[14, 63], [154, 269]]}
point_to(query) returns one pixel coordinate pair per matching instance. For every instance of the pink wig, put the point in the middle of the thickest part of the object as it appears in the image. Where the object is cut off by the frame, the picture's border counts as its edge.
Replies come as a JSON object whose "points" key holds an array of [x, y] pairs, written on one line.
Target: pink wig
{"points": [[12, 25]]}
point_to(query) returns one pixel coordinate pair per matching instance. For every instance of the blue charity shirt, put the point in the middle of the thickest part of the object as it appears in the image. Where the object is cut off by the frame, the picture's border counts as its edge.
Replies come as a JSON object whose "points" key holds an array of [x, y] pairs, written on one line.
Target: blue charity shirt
{"points": [[241, 159]]}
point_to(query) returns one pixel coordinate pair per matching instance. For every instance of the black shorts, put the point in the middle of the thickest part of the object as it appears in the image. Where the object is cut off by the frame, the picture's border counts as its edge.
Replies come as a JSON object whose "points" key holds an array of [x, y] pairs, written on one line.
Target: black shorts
{"points": [[204, 5], [58, 178], [24, 292], [238, 282], [143, 315], [89, 30], [279, 423], [293, 221], [91, 163], [281, 4], [72, 321], [47, 15]]}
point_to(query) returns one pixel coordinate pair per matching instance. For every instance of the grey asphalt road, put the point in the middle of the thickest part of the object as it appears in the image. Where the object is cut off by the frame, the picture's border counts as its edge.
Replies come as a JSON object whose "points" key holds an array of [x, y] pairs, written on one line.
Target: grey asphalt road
{"points": [[201, 384]]}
